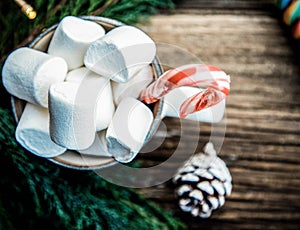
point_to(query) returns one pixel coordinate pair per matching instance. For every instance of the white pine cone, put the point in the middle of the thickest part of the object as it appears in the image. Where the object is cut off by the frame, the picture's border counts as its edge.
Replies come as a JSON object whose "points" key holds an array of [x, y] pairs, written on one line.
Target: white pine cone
{"points": [[202, 183]]}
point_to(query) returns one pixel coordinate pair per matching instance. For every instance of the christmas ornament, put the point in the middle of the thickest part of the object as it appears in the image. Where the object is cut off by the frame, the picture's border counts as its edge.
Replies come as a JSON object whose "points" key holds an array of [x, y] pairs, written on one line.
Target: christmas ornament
{"points": [[26, 9], [296, 29], [202, 183], [292, 12], [282, 4], [291, 15]]}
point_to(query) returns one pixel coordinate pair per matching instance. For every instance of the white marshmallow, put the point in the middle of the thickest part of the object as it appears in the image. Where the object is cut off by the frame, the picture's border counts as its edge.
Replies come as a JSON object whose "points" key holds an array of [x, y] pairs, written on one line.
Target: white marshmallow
{"points": [[120, 54], [72, 118], [128, 129], [105, 107], [71, 39], [99, 146], [28, 74], [134, 86], [33, 132], [174, 99]]}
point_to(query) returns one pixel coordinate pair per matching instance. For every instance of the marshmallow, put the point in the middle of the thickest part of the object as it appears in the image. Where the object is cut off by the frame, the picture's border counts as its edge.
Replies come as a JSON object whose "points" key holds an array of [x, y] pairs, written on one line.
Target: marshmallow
{"points": [[33, 132], [105, 107], [99, 146], [72, 118], [28, 74], [174, 99], [71, 39], [120, 54], [134, 86], [128, 129]]}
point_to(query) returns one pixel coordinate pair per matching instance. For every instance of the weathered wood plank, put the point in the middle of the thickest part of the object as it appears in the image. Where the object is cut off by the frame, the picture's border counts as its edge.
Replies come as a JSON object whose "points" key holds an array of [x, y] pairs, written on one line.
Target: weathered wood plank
{"points": [[249, 7], [262, 140], [226, 4]]}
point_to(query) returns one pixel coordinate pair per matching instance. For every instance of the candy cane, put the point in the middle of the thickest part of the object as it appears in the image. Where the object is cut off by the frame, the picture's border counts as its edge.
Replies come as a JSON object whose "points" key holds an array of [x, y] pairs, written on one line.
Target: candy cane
{"points": [[214, 79]]}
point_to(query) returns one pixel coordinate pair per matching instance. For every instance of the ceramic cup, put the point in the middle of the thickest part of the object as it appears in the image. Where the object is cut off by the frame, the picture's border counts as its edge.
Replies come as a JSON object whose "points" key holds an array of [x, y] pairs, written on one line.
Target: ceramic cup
{"points": [[72, 159], [162, 108]]}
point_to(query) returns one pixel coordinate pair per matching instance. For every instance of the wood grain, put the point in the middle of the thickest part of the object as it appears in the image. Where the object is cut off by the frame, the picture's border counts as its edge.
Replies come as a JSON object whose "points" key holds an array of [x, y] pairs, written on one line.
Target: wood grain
{"points": [[262, 139]]}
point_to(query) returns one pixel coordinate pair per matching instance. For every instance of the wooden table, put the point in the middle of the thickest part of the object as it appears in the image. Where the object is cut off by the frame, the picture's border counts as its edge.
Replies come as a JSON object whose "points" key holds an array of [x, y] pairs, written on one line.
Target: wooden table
{"points": [[262, 140]]}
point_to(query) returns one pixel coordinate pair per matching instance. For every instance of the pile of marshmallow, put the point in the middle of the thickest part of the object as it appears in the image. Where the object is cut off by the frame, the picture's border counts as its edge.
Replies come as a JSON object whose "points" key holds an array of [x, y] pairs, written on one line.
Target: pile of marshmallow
{"points": [[85, 93], [82, 93]]}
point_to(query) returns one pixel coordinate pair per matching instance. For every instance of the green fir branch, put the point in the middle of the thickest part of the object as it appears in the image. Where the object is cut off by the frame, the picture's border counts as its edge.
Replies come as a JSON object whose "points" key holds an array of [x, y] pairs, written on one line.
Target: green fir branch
{"points": [[15, 27], [35, 191]]}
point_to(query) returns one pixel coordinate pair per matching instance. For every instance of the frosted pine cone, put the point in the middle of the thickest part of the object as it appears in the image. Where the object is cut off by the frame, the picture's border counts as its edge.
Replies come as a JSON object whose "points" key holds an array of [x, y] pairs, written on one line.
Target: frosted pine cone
{"points": [[202, 183]]}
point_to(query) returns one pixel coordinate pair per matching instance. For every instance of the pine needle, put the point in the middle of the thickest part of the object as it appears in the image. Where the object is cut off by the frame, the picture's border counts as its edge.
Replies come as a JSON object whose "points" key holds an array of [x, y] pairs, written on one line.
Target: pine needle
{"points": [[35, 192]]}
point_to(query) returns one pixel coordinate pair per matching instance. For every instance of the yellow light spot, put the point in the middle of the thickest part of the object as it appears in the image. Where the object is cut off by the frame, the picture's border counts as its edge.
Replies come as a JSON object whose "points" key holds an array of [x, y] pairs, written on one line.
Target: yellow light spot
{"points": [[31, 13]]}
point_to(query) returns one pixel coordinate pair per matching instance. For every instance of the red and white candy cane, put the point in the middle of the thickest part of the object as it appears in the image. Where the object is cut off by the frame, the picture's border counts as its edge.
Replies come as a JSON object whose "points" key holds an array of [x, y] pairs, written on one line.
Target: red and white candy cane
{"points": [[216, 82]]}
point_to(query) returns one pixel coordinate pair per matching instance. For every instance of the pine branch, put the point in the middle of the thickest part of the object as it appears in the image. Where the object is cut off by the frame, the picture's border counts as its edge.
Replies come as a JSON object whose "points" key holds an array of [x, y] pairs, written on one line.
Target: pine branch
{"points": [[108, 4], [34, 190]]}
